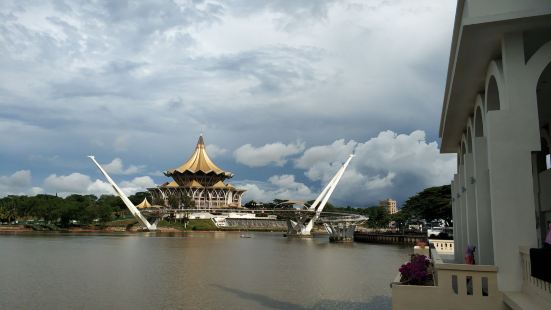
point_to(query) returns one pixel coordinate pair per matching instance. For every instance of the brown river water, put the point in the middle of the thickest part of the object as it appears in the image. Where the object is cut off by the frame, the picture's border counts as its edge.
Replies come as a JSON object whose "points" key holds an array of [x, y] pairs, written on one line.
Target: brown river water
{"points": [[210, 270]]}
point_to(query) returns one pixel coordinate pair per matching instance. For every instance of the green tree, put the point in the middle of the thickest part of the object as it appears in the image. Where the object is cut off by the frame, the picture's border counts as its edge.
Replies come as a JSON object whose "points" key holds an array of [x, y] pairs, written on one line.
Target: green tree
{"points": [[103, 213], [432, 203], [378, 217], [178, 200], [187, 202], [329, 207], [138, 197], [251, 204], [46, 207], [157, 201], [278, 201], [67, 211], [114, 202], [8, 211], [400, 218]]}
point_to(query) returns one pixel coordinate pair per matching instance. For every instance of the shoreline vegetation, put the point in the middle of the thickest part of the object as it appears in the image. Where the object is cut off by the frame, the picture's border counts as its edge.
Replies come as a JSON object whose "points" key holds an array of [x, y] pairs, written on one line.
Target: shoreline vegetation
{"points": [[130, 225], [107, 213]]}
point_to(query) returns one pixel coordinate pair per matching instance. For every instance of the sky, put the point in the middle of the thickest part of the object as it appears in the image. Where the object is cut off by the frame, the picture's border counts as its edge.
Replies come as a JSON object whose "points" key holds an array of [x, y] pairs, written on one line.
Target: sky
{"points": [[283, 92]]}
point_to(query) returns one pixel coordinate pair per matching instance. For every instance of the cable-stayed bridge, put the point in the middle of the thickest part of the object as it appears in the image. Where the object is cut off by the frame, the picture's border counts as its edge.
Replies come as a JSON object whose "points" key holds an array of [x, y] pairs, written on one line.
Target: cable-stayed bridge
{"points": [[300, 220]]}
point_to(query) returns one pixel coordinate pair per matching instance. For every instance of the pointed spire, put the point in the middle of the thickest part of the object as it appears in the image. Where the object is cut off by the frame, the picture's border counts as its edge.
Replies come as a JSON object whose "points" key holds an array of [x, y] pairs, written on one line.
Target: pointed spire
{"points": [[199, 162], [201, 142]]}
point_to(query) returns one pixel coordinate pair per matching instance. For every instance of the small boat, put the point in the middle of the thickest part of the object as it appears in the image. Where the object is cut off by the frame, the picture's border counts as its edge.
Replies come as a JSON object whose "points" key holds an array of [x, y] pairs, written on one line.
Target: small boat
{"points": [[245, 236]]}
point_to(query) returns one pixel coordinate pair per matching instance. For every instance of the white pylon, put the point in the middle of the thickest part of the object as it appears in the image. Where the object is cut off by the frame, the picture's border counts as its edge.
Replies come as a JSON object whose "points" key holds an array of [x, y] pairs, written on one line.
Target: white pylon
{"points": [[297, 228], [135, 212]]}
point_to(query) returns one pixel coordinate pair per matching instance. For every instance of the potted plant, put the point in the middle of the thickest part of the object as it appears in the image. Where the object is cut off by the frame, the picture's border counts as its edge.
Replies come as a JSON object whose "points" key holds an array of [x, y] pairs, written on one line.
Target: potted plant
{"points": [[418, 271]]}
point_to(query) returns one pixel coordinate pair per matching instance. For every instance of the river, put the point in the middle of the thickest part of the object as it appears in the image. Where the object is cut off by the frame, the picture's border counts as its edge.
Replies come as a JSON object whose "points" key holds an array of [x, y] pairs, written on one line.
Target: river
{"points": [[211, 270]]}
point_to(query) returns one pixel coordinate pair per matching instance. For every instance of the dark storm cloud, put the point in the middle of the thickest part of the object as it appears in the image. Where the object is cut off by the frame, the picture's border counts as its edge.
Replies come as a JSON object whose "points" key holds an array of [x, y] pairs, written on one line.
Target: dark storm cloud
{"points": [[139, 80]]}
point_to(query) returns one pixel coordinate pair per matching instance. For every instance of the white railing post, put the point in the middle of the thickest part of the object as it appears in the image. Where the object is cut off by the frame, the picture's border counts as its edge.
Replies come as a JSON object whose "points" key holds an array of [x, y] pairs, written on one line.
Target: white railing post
{"points": [[531, 285]]}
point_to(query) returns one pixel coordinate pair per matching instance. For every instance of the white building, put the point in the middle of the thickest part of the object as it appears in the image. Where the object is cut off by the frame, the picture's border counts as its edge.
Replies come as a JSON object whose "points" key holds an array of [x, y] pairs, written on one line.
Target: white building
{"points": [[496, 117]]}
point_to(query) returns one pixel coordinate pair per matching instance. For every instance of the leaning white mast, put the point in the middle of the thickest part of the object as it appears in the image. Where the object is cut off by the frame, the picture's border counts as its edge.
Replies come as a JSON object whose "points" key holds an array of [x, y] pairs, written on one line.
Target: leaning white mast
{"points": [[298, 228], [135, 212], [327, 194]]}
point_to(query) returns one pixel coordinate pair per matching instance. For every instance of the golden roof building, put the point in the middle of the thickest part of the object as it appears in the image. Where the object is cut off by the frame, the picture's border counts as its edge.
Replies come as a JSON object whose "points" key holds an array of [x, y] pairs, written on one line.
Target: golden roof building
{"points": [[201, 180], [144, 204]]}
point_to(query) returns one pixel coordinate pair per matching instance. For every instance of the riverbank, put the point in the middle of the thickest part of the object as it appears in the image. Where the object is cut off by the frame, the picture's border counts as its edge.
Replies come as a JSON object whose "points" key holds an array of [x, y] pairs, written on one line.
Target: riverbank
{"points": [[131, 225], [14, 228]]}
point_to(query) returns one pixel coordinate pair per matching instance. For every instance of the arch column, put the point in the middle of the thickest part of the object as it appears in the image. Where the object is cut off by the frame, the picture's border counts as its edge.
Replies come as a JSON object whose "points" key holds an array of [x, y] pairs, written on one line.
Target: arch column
{"points": [[470, 204], [482, 192], [456, 221], [513, 134], [462, 208]]}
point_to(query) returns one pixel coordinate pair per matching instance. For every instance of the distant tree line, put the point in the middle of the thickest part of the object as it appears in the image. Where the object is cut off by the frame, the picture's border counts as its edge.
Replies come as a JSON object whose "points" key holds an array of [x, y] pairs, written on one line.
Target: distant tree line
{"points": [[84, 209], [433, 203]]}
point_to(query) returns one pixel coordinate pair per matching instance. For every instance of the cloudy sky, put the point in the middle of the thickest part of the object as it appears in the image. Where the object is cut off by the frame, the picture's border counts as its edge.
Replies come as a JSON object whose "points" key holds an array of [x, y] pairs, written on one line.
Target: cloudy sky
{"points": [[282, 90]]}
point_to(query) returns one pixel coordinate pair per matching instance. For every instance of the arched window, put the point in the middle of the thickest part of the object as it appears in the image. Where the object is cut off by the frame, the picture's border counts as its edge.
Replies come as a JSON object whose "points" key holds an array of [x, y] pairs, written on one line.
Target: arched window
{"points": [[478, 124], [462, 154], [493, 95], [469, 141], [543, 91]]}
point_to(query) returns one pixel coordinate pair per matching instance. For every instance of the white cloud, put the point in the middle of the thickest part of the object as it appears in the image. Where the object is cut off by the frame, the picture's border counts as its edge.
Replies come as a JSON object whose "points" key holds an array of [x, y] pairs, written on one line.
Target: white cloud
{"points": [[36, 190], [315, 159], [133, 85], [411, 154], [17, 183], [256, 193], [278, 186], [72, 183], [77, 183], [388, 165], [117, 167], [273, 153], [288, 186], [138, 183], [378, 182], [215, 151]]}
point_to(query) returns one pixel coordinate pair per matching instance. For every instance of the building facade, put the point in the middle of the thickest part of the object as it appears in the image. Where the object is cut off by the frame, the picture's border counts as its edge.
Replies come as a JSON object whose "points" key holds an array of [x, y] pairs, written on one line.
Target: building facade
{"points": [[390, 205], [496, 117], [201, 180]]}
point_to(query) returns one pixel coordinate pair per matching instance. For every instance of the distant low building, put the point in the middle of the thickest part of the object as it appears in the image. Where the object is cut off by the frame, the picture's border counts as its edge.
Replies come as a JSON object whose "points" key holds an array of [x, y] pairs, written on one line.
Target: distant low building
{"points": [[201, 180], [390, 205]]}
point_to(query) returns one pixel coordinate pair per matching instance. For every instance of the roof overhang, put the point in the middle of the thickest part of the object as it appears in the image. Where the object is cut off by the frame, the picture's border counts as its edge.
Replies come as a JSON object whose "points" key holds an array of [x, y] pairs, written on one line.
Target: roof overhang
{"points": [[476, 42]]}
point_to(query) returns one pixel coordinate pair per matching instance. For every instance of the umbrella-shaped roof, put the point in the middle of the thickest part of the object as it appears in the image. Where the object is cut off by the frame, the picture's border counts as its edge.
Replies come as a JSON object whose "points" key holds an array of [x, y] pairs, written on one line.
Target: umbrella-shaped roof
{"points": [[199, 162]]}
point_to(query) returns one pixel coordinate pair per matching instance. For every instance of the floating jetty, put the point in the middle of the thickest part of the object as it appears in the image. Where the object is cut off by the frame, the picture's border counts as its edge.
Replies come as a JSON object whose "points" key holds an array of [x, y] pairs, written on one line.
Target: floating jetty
{"points": [[389, 238]]}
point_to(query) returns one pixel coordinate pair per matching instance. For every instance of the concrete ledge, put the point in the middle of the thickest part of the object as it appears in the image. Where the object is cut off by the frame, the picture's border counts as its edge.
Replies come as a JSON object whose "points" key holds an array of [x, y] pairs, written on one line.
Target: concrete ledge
{"points": [[465, 267], [523, 301]]}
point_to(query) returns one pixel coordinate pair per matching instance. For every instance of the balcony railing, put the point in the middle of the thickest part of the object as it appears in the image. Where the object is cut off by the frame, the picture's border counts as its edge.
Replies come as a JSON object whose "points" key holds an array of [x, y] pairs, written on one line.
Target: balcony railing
{"points": [[467, 286], [531, 284], [442, 246], [535, 294]]}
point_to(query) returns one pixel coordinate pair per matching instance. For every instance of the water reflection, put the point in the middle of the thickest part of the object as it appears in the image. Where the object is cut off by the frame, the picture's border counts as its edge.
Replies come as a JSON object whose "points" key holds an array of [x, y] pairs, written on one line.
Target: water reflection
{"points": [[193, 271], [375, 303]]}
